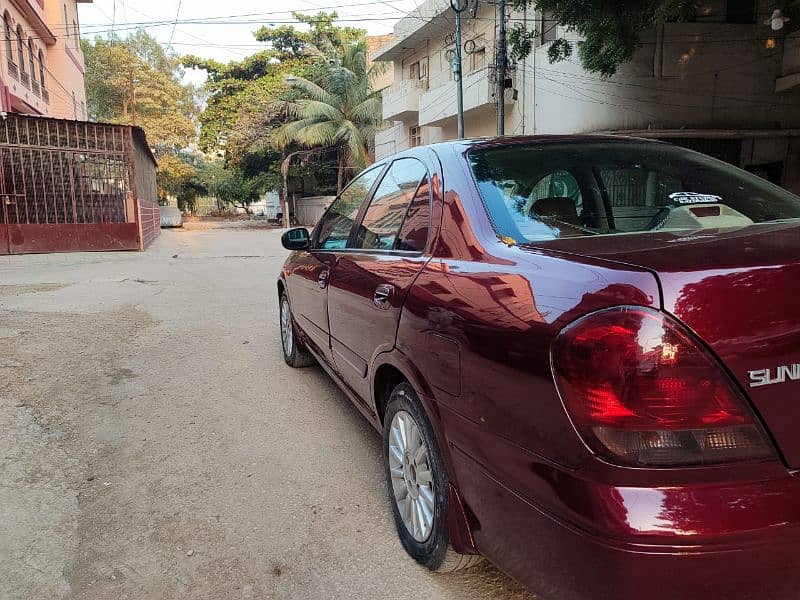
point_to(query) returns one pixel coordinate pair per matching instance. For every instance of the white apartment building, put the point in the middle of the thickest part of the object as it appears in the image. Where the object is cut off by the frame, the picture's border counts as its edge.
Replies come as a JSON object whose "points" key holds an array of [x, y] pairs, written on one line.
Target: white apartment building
{"points": [[724, 84]]}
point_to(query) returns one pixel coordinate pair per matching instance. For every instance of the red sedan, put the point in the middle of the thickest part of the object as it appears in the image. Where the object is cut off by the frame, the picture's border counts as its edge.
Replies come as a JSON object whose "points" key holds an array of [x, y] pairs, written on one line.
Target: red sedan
{"points": [[583, 354]]}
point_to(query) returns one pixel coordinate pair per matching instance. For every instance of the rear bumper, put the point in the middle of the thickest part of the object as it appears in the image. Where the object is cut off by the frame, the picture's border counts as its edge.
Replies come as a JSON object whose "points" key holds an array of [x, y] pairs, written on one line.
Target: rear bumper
{"points": [[558, 560]]}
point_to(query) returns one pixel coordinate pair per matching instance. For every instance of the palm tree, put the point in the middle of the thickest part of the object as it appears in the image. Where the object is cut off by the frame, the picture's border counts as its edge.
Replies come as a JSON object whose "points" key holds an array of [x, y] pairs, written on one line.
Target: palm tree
{"points": [[340, 111]]}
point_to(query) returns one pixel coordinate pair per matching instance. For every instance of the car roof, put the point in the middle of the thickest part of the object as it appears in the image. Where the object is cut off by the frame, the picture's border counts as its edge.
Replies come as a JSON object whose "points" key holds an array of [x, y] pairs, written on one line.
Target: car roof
{"points": [[513, 140]]}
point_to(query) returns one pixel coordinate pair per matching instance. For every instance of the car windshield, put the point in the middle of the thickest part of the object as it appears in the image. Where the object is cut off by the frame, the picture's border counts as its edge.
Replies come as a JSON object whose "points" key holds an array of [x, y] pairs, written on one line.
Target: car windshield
{"points": [[552, 190]]}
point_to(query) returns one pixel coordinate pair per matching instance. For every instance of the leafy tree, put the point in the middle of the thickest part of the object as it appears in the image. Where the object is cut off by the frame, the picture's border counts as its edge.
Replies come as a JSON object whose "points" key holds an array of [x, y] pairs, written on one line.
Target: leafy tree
{"points": [[134, 81], [322, 36], [237, 90], [339, 110], [181, 175], [248, 100], [233, 186], [610, 29]]}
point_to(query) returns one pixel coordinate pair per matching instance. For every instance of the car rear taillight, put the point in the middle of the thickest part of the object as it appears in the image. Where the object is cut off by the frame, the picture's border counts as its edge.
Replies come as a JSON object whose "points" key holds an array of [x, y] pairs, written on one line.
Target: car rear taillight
{"points": [[642, 392]]}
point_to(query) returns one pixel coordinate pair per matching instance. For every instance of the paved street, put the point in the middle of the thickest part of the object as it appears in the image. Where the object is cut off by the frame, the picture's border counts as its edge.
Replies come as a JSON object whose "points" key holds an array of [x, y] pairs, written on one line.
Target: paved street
{"points": [[153, 444]]}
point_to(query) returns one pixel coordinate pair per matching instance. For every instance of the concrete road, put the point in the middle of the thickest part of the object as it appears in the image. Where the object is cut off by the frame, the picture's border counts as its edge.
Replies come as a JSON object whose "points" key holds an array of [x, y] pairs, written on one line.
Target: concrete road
{"points": [[153, 444]]}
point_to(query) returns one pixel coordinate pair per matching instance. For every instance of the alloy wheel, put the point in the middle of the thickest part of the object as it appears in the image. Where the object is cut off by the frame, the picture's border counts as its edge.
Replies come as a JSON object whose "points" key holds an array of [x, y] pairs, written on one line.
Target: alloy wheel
{"points": [[287, 334], [412, 477]]}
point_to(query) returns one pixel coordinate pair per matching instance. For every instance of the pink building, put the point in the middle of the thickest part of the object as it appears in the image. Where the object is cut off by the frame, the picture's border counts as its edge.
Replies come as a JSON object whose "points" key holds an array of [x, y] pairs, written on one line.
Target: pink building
{"points": [[42, 70]]}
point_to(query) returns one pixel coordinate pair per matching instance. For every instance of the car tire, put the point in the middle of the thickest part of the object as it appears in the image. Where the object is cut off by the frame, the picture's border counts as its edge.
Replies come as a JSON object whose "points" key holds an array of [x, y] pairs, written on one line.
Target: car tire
{"points": [[294, 353], [417, 484]]}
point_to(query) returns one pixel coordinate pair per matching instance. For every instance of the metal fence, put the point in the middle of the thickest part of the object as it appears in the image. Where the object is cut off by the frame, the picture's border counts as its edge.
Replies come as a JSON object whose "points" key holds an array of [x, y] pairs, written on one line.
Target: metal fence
{"points": [[71, 185], [57, 171]]}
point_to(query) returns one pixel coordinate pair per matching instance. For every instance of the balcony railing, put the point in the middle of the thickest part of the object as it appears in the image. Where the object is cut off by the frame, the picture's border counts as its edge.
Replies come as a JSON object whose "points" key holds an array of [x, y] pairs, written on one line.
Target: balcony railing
{"points": [[12, 69], [25, 78], [35, 87], [45, 94], [401, 101], [420, 84]]}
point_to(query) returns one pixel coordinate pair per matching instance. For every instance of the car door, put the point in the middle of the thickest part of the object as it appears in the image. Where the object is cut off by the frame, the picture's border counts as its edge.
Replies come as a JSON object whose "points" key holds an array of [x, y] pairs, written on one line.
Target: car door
{"points": [[384, 256], [311, 271]]}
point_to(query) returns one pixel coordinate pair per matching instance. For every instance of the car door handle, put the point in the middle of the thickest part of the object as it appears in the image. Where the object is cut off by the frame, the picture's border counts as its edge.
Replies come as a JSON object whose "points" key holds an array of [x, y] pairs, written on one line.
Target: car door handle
{"points": [[383, 296], [322, 280]]}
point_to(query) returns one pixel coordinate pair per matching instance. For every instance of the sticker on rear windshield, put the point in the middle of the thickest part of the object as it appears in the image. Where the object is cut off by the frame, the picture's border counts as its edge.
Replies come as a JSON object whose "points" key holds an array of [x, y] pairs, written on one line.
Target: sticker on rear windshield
{"points": [[683, 198]]}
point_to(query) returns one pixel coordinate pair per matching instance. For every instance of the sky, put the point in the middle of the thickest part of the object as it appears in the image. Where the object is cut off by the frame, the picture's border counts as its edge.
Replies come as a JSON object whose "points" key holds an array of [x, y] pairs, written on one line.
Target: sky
{"points": [[223, 30]]}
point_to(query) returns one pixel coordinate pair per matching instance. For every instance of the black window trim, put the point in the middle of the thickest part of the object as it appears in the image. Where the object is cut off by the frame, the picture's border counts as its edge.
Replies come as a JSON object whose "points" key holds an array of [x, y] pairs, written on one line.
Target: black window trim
{"points": [[362, 213]]}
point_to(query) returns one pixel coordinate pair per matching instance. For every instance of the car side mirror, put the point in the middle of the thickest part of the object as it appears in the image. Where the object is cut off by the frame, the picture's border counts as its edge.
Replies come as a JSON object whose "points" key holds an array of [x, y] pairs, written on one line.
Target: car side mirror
{"points": [[296, 239]]}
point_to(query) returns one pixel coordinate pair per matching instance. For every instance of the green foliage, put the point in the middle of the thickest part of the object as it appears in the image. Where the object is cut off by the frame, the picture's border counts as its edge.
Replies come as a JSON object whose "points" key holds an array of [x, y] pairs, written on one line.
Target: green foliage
{"points": [[232, 185], [322, 35], [134, 81], [249, 103], [181, 175], [338, 110], [237, 90], [520, 41], [610, 29]]}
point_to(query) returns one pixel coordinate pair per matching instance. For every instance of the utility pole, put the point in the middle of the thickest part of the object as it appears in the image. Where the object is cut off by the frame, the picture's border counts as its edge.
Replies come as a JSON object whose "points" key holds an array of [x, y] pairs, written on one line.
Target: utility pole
{"points": [[132, 89], [501, 64], [458, 7]]}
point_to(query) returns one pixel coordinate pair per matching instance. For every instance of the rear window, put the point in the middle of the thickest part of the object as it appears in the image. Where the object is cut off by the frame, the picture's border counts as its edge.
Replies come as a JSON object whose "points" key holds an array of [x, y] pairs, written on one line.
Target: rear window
{"points": [[547, 191]]}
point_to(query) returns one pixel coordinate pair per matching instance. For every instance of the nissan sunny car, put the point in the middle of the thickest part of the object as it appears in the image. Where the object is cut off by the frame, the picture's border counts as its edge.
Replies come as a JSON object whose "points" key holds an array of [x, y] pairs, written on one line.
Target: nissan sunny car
{"points": [[583, 354]]}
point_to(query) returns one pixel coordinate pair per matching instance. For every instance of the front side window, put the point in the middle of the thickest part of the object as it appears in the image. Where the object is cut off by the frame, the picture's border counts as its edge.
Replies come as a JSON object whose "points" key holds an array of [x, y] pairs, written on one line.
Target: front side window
{"points": [[380, 228], [547, 191], [334, 228]]}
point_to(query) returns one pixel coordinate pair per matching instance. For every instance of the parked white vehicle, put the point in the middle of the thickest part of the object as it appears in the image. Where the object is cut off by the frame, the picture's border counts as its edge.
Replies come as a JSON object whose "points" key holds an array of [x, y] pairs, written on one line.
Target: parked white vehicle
{"points": [[171, 217]]}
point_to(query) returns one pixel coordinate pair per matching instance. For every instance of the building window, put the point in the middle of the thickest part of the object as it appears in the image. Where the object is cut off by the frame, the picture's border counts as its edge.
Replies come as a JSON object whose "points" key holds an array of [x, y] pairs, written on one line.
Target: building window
{"points": [[414, 136], [9, 42], [76, 32], [21, 56], [66, 23], [741, 11], [418, 70], [549, 27], [476, 49], [41, 70], [32, 59]]}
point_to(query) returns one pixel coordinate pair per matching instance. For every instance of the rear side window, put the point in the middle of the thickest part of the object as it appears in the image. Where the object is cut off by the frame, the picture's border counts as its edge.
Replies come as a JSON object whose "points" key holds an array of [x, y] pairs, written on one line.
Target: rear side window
{"points": [[336, 224], [383, 226], [552, 190]]}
